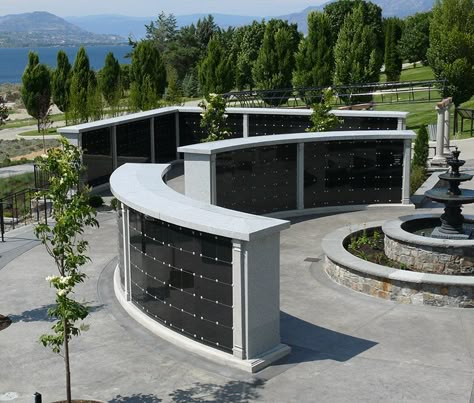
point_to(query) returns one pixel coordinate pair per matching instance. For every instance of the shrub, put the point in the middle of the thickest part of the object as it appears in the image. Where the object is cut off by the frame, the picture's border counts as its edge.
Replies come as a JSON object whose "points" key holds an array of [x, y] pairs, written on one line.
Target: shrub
{"points": [[321, 118], [417, 178], [114, 203], [96, 201], [420, 157]]}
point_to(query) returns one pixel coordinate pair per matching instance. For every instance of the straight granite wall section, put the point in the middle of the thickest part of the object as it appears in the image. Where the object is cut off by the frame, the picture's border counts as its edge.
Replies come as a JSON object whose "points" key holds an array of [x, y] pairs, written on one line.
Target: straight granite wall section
{"points": [[97, 155]]}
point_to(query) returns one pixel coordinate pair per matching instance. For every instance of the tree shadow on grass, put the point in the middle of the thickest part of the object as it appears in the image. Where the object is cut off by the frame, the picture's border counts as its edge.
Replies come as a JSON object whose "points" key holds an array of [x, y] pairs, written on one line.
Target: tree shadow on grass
{"points": [[41, 314]]}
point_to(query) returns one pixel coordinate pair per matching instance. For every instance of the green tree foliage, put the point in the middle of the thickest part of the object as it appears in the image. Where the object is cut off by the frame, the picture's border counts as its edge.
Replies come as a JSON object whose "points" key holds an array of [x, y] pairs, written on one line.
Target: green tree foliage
{"points": [[79, 90], [393, 60], [61, 82], [214, 118], [314, 61], [451, 51], [184, 52], [95, 104], [109, 81], [415, 38], [206, 28], [63, 242], [4, 111], [216, 73], [274, 65], [337, 12], [162, 32], [321, 119], [190, 84], [421, 148], [249, 38], [358, 60], [174, 94], [36, 90], [148, 77], [125, 78]]}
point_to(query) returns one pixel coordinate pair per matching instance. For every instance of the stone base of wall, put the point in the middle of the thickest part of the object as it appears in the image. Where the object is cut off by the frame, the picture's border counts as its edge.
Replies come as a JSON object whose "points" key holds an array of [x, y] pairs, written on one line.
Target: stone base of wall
{"points": [[431, 259], [400, 291]]}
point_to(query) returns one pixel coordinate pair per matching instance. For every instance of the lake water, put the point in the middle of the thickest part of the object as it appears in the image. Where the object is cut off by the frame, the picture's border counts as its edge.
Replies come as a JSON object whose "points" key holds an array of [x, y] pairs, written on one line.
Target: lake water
{"points": [[13, 60]]}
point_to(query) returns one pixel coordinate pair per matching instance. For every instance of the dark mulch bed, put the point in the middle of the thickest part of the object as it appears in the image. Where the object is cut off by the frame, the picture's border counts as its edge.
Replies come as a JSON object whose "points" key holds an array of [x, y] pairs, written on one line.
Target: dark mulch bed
{"points": [[4, 322]]}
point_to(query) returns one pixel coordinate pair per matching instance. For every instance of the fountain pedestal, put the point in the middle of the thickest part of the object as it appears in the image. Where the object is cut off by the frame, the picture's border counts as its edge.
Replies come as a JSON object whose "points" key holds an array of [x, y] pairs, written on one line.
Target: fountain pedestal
{"points": [[453, 198]]}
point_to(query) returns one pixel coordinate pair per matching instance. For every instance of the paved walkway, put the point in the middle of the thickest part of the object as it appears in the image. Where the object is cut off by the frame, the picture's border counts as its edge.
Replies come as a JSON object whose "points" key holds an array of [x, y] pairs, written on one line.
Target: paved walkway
{"points": [[346, 346], [16, 170]]}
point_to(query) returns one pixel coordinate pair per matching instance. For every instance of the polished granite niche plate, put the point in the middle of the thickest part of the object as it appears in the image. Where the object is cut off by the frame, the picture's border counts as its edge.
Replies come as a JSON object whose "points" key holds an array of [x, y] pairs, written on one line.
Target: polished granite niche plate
{"points": [[352, 172], [183, 279], [97, 155], [257, 180]]}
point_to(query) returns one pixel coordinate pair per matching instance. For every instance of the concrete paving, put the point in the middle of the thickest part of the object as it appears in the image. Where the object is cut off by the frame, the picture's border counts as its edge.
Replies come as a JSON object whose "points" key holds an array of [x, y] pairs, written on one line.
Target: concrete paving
{"points": [[347, 347]]}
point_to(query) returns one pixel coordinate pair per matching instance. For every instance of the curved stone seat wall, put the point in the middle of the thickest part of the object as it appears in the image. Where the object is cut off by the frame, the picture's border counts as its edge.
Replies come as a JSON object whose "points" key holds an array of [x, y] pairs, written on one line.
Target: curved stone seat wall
{"points": [[203, 277], [301, 173]]}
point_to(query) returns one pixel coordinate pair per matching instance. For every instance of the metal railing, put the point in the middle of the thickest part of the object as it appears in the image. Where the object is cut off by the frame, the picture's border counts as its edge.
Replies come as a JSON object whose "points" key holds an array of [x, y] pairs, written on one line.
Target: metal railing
{"points": [[22, 208], [378, 93]]}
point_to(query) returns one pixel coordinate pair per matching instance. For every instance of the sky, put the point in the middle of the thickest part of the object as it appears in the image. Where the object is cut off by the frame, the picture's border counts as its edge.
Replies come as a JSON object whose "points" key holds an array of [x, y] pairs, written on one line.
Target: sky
{"points": [[141, 8]]}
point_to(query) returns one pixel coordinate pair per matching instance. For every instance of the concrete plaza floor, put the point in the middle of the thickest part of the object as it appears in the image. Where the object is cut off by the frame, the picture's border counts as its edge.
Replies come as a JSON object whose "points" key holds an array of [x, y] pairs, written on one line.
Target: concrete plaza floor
{"points": [[346, 346]]}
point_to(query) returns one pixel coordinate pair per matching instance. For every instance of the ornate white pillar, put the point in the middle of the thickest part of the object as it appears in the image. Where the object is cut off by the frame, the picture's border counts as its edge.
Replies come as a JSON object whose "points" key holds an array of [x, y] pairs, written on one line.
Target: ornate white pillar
{"points": [[439, 159]]}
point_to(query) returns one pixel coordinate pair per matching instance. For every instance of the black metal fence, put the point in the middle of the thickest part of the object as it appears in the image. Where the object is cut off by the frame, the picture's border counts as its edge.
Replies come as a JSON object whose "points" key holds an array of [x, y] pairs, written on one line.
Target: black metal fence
{"points": [[462, 114], [377, 93], [22, 208]]}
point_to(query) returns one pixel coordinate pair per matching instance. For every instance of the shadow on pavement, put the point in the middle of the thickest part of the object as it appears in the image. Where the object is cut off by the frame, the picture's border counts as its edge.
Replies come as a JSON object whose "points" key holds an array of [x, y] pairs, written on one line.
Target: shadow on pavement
{"points": [[41, 314]]}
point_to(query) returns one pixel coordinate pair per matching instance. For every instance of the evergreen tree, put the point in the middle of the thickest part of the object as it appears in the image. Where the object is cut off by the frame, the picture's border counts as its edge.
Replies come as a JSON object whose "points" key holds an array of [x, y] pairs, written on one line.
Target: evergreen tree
{"points": [[421, 148], [451, 51], [216, 74], [95, 104], [109, 81], [358, 60], [250, 41], [162, 32], [314, 61], [393, 60], [274, 65], [190, 84], [79, 90], [36, 90], [147, 75], [415, 38], [61, 81], [206, 28]]}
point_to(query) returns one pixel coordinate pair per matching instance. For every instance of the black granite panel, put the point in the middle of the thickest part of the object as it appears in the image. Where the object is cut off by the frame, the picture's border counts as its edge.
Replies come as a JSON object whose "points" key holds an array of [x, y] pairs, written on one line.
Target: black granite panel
{"points": [[183, 279], [257, 180], [263, 125], [367, 123], [352, 172], [133, 142], [165, 138], [97, 155]]}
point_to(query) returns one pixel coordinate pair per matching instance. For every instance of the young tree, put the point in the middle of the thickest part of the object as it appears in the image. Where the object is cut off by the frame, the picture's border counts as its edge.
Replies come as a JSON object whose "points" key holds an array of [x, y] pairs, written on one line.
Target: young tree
{"points": [[421, 148], [358, 60], [109, 81], [148, 77], [63, 241], [36, 90], [79, 90], [214, 118], [174, 94], [415, 38], [61, 82], [451, 51], [393, 60], [216, 73], [321, 119], [95, 104], [274, 65], [314, 61]]}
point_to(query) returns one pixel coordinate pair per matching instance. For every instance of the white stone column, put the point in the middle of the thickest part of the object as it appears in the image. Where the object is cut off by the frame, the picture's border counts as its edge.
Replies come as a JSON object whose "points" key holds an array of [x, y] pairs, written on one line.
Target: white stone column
{"points": [[300, 177], [439, 159], [126, 252], [401, 124], [238, 294], [406, 172], [447, 128], [199, 178], [245, 125]]}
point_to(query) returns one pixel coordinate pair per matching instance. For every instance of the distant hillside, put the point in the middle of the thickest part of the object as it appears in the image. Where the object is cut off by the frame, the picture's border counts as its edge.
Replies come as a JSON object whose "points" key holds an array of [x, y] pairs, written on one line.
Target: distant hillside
{"points": [[45, 29], [135, 26]]}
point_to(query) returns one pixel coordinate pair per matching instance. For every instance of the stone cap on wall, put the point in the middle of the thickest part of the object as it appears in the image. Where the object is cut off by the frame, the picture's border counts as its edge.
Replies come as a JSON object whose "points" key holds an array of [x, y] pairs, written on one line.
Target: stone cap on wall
{"points": [[216, 147], [142, 188]]}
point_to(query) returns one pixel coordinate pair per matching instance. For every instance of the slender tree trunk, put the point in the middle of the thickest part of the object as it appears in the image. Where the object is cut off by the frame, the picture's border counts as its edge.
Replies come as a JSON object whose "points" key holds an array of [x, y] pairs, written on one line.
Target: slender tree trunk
{"points": [[66, 362]]}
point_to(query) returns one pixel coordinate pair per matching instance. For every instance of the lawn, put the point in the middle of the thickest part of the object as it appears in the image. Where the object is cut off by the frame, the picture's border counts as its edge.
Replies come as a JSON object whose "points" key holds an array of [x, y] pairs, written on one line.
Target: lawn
{"points": [[34, 133]]}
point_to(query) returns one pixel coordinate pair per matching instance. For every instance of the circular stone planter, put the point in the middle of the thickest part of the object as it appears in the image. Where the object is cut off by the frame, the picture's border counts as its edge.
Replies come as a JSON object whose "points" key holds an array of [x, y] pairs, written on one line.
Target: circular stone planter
{"points": [[425, 254], [402, 286]]}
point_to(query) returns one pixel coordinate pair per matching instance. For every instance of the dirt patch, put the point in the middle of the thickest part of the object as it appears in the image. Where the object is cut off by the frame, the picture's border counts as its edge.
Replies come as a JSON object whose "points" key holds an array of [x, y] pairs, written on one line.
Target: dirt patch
{"points": [[5, 321], [29, 156]]}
